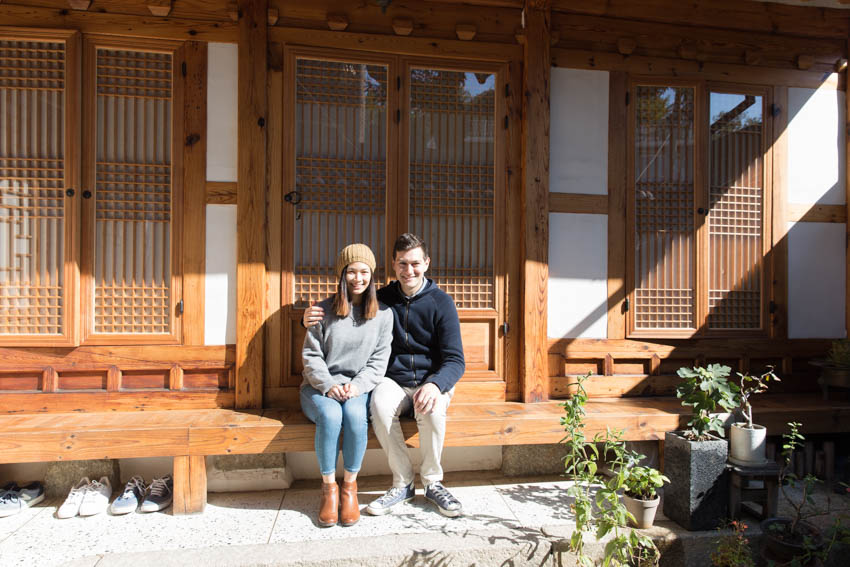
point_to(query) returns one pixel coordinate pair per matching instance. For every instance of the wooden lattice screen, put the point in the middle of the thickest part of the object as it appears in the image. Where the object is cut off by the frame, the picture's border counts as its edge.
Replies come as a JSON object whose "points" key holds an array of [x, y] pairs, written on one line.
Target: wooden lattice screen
{"points": [[33, 299], [735, 211], [664, 199], [340, 168], [451, 179], [133, 193]]}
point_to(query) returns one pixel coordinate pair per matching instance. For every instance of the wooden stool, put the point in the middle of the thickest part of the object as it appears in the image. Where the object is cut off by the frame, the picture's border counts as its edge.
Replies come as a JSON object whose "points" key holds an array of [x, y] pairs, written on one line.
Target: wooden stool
{"points": [[739, 494]]}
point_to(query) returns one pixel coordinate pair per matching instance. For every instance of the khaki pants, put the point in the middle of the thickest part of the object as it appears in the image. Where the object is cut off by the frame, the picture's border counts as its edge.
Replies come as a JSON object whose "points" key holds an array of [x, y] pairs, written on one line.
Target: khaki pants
{"points": [[389, 402]]}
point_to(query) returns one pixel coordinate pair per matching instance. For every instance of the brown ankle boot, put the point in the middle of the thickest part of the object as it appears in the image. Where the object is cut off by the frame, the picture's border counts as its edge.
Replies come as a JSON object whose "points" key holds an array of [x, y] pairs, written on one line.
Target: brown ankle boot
{"points": [[329, 508], [350, 512]]}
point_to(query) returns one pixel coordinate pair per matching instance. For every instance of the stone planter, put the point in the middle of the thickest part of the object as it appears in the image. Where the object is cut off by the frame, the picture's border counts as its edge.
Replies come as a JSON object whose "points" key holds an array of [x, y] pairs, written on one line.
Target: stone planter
{"points": [[697, 497], [642, 510], [746, 446]]}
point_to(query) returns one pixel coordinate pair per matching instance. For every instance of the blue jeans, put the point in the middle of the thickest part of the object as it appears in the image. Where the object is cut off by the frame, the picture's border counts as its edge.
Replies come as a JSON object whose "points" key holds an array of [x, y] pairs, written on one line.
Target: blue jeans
{"points": [[332, 418]]}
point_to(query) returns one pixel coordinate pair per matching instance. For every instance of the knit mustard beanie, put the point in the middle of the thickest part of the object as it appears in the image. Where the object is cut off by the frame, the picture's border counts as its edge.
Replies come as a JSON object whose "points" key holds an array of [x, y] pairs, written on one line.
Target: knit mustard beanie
{"points": [[355, 253]]}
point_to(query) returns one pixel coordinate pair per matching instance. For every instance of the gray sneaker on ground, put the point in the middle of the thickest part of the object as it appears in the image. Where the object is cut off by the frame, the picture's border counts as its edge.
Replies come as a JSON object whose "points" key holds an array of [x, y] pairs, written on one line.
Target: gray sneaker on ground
{"points": [[133, 496], [390, 499], [160, 495], [14, 498], [447, 504]]}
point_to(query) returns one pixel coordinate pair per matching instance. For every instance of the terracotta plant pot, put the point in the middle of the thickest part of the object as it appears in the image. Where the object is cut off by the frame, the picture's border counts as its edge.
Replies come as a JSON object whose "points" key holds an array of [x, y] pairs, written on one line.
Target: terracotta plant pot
{"points": [[746, 446], [642, 510]]}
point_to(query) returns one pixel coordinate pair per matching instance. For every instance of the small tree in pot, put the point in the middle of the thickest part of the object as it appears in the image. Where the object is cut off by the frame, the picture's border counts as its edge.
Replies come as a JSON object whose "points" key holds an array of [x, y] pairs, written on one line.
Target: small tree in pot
{"points": [[746, 439], [697, 497], [835, 368]]}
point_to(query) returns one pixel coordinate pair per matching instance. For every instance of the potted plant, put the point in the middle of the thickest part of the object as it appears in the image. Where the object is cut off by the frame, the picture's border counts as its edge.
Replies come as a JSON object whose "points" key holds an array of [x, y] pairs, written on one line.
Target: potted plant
{"points": [[835, 368], [639, 496], [697, 497], [793, 539], [596, 503], [746, 439]]}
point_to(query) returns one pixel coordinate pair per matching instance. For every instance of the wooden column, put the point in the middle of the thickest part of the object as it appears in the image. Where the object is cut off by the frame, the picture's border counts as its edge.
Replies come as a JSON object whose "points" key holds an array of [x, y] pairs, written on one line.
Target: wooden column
{"points": [[251, 202], [617, 123], [194, 190], [534, 370], [778, 321], [847, 191], [190, 485]]}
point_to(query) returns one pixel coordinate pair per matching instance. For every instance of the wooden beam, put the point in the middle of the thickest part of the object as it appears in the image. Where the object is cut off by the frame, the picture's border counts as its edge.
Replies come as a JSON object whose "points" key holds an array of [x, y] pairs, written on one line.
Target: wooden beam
{"points": [[578, 203], [535, 204], [681, 68], [617, 151], [795, 212], [194, 191], [190, 484], [251, 202], [117, 24], [398, 45], [221, 192]]}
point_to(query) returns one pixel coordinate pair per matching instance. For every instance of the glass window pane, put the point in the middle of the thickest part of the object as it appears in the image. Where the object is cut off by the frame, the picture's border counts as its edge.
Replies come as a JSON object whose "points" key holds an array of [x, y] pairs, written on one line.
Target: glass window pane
{"points": [[452, 181], [735, 211], [664, 200], [340, 168], [32, 188]]}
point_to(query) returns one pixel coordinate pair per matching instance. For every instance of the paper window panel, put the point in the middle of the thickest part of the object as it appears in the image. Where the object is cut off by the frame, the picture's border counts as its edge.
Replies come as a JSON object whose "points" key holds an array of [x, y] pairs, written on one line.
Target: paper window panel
{"points": [[664, 199], [32, 188], [735, 211], [133, 193], [340, 169], [452, 179]]}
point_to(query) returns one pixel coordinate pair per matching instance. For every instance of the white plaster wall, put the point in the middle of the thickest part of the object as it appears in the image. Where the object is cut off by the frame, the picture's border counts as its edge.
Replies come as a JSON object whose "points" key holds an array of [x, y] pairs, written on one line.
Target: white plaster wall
{"points": [[220, 280], [305, 465], [578, 131], [222, 124], [816, 146], [816, 280], [578, 276]]}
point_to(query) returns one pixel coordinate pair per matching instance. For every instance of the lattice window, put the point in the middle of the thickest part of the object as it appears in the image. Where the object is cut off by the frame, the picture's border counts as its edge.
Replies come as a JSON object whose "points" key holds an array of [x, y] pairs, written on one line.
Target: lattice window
{"points": [[452, 182], [133, 193], [32, 188], [735, 211], [340, 168], [664, 200]]}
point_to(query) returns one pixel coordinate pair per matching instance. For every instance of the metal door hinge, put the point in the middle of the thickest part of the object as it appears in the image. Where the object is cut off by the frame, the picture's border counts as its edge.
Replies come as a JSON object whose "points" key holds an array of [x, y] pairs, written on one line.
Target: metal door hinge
{"points": [[505, 328], [627, 98], [626, 305], [179, 308], [775, 110], [772, 307]]}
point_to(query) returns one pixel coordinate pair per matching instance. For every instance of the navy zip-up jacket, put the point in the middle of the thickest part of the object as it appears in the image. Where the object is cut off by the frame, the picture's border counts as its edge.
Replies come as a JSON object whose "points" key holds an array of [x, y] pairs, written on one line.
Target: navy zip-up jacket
{"points": [[426, 337]]}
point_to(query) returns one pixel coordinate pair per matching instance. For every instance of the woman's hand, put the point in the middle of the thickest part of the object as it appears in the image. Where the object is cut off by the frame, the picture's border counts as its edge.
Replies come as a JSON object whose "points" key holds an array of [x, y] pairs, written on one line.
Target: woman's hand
{"points": [[351, 391], [338, 393]]}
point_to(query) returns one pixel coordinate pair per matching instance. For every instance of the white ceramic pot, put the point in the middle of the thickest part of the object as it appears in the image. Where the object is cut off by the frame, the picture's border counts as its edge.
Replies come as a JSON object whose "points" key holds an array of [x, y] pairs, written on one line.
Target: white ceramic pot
{"points": [[746, 446], [642, 510]]}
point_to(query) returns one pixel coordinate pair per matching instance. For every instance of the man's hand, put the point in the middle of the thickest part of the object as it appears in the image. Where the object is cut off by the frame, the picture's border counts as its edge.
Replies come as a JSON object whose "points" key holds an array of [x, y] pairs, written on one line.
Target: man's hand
{"points": [[312, 315], [425, 398], [337, 392], [351, 391]]}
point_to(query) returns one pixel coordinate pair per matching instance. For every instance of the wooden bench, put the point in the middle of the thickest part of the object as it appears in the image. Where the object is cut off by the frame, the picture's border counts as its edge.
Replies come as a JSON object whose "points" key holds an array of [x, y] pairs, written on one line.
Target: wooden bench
{"points": [[190, 435]]}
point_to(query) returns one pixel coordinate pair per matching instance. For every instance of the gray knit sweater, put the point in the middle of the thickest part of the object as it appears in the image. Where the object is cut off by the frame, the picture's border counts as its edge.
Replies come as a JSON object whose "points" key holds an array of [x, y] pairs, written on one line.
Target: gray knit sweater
{"points": [[339, 350]]}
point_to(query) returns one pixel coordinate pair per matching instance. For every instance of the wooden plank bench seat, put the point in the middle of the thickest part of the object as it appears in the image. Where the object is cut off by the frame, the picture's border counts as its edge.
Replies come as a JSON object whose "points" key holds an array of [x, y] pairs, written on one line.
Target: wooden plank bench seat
{"points": [[190, 435]]}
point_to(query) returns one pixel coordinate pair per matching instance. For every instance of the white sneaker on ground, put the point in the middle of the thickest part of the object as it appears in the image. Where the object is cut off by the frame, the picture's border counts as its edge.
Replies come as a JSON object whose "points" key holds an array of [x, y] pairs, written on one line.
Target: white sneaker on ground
{"points": [[96, 497], [71, 506]]}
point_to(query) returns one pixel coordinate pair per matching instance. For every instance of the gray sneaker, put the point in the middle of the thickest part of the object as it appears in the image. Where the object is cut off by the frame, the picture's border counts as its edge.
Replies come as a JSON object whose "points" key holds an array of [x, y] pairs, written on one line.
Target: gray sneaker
{"points": [[160, 495], [13, 498], [447, 504], [390, 499], [134, 494]]}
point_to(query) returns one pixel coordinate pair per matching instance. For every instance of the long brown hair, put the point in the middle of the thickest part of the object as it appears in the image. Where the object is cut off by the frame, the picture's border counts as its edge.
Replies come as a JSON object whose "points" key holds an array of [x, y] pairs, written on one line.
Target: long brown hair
{"points": [[342, 304]]}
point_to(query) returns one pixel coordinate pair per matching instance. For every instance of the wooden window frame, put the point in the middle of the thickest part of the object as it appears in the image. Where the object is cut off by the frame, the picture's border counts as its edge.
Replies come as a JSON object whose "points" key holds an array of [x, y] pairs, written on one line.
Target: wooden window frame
{"points": [[79, 139], [397, 192], [702, 91]]}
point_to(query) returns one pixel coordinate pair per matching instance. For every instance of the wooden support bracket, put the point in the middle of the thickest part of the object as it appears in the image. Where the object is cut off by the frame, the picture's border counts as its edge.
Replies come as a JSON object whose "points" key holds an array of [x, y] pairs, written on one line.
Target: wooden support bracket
{"points": [[466, 32], [337, 22], [159, 7], [190, 485], [626, 45], [79, 4], [752, 57], [402, 26], [274, 16]]}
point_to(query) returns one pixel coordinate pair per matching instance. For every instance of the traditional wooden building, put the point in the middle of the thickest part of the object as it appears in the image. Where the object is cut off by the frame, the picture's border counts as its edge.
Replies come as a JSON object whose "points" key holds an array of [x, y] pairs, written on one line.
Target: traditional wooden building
{"points": [[622, 187]]}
